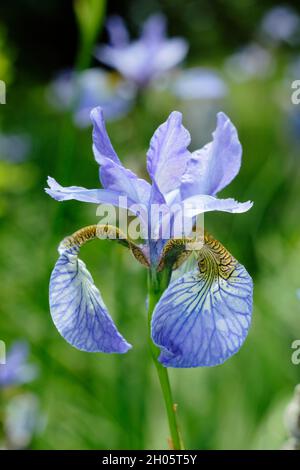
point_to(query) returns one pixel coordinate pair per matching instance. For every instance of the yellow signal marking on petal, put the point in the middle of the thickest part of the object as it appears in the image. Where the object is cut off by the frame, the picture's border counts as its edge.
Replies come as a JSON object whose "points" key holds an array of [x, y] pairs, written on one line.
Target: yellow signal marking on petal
{"points": [[213, 258], [174, 253]]}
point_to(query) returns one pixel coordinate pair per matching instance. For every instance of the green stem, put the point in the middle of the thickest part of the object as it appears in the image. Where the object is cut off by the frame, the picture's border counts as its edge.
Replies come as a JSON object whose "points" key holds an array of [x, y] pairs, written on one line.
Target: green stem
{"points": [[155, 289]]}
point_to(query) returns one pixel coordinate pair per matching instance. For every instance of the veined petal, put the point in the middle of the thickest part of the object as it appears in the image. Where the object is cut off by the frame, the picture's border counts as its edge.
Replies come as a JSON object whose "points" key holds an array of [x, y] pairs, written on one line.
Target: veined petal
{"points": [[102, 146], [77, 308], [168, 155], [203, 317], [214, 166]]}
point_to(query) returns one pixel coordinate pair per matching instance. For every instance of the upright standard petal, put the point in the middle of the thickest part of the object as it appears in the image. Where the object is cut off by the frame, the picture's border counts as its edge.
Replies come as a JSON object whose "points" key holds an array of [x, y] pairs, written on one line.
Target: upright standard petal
{"points": [[154, 28], [214, 166], [168, 155], [117, 31], [115, 177], [203, 317], [170, 53], [77, 308], [102, 146]]}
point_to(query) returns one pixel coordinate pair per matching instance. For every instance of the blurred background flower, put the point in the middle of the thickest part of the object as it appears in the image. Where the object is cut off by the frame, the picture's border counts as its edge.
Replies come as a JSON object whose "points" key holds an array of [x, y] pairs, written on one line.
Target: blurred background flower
{"points": [[281, 24], [17, 370], [252, 61], [23, 421], [145, 59], [20, 414], [14, 148], [200, 93], [79, 92]]}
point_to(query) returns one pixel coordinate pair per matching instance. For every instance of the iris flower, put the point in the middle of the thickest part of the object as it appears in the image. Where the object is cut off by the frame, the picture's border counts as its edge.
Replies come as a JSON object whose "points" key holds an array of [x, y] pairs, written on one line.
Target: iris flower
{"points": [[80, 92], [22, 421], [199, 83], [14, 148], [142, 60], [16, 369], [280, 24], [203, 316], [250, 61]]}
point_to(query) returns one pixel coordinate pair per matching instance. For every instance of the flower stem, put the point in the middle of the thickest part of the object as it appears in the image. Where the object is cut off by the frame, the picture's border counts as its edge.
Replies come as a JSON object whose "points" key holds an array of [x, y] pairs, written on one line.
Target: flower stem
{"points": [[155, 289]]}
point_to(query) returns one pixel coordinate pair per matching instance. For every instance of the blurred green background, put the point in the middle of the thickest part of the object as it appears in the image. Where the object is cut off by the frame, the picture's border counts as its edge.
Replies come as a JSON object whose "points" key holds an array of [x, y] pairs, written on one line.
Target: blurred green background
{"points": [[95, 401]]}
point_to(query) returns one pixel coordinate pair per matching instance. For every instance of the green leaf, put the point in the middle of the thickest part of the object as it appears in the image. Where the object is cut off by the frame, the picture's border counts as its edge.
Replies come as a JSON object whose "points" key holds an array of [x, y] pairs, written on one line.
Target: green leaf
{"points": [[89, 15]]}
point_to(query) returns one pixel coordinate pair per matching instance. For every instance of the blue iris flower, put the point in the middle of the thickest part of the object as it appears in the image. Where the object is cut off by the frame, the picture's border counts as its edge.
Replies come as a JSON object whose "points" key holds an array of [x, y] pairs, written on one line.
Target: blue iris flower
{"points": [[204, 315], [80, 92], [16, 369], [146, 58]]}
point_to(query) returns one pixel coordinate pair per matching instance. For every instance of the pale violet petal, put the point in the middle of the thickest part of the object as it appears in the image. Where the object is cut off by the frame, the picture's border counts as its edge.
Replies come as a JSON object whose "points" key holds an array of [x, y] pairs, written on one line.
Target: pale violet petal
{"points": [[134, 62], [214, 166], [135, 187], [147, 57], [78, 193], [154, 28], [168, 155], [22, 420], [77, 308], [199, 323], [196, 205], [199, 83], [102, 146], [17, 369], [117, 31], [280, 23], [115, 177], [96, 87], [180, 215], [169, 54]]}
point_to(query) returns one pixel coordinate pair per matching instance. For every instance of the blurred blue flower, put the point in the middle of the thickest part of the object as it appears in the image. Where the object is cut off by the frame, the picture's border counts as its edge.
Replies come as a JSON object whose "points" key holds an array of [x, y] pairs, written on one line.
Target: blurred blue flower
{"points": [[80, 92], [146, 58], [200, 92], [198, 83], [251, 61], [17, 370], [203, 316], [14, 148], [22, 421], [281, 24]]}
